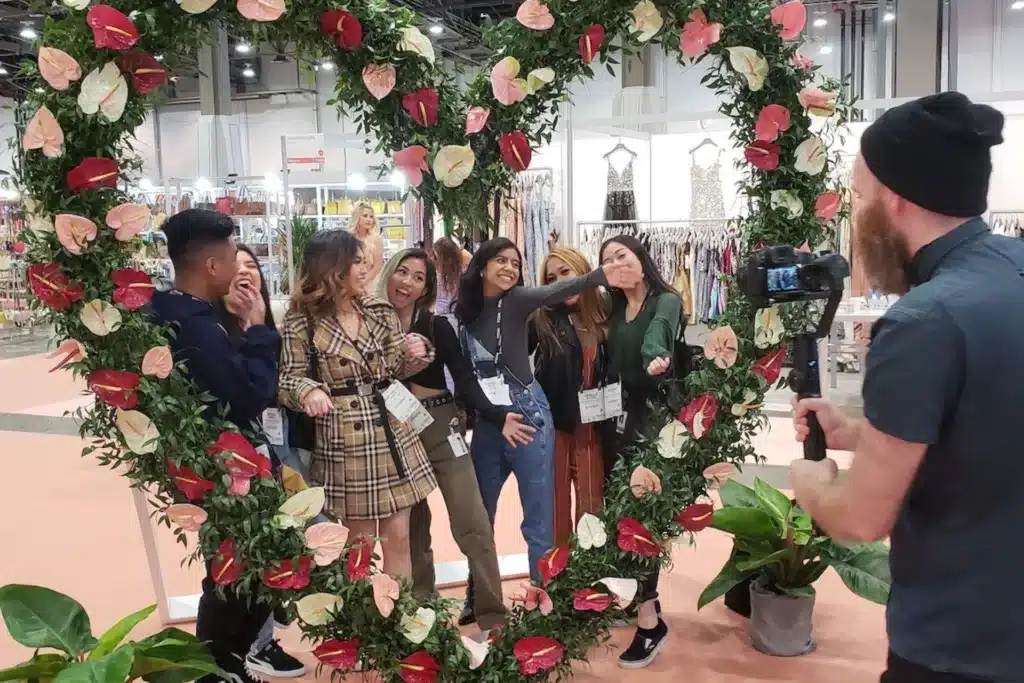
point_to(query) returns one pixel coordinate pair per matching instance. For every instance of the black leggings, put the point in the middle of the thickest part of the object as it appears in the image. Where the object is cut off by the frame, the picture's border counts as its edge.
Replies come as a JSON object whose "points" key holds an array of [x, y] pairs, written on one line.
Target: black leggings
{"points": [[900, 670], [637, 413], [229, 625]]}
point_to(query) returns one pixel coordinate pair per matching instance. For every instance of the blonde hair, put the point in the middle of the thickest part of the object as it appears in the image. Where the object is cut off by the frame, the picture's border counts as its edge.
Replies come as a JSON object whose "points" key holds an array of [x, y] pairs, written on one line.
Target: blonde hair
{"points": [[357, 212], [591, 308]]}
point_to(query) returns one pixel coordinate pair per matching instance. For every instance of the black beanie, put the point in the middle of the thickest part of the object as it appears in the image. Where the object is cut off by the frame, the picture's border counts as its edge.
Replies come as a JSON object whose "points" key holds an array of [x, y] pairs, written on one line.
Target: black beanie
{"points": [[935, 152]]}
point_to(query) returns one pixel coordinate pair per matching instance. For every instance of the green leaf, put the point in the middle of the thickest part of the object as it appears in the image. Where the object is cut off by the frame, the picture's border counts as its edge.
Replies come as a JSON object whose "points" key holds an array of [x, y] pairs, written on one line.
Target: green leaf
{"points": [[758, 562], [156, 670], [866, 572], [727, 579], [798, 591], [114, 668], [119, 631], [772, 500], [745, 522], [41, 667], [736, 495], [38, 617]]}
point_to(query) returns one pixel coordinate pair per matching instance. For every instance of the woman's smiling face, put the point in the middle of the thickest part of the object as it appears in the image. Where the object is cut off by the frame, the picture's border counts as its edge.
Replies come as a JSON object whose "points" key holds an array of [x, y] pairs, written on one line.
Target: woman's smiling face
{"points": [[502, 272]]}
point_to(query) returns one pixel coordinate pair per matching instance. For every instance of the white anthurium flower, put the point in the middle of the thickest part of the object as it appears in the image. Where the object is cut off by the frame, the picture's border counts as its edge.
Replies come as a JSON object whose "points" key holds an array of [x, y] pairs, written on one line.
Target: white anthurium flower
{"points": [[453, 164], [785, 199], [477, 652], [40, 224], [30, 204], [416, 627], [138, 431], [296, 512], [100, 318], [811, 156], [672, 439], [104, 90], [319, 609], [196, 6], [768, 327], [414, 41], [749, 403], [646, 21], [76, 4], [538, 78], [590, 532], [751, 64], [624, 590]]}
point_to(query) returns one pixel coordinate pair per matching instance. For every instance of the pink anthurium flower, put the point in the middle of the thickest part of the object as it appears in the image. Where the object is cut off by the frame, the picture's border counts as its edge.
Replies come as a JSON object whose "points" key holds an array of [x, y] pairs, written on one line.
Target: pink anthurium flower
{"points": [[128, 220], [379, 79], [158, 362], [506, 87], [412, 162], [790, 17], [70, 351], [58, 68], [476, 119], [535, 14], [818, 102], [74, 232], [385, 592], [187, 516], [698, 35], [44, 132], [773, 120], [261, 10], [827, 205], [644, 481]]}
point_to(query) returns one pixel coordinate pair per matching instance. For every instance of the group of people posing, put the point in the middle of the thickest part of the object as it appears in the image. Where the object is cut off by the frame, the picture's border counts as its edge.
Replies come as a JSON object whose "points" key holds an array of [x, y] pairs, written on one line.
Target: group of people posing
{"points": [[389, 371]]}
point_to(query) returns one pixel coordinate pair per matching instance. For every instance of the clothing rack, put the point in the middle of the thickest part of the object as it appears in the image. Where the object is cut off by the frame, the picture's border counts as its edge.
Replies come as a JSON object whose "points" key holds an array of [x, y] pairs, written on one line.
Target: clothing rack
{"points": [[1007, 222]]}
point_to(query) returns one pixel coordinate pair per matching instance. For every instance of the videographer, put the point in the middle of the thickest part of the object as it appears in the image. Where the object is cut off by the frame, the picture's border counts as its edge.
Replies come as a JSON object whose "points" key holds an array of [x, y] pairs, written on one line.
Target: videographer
{"points": [[937, 460]]}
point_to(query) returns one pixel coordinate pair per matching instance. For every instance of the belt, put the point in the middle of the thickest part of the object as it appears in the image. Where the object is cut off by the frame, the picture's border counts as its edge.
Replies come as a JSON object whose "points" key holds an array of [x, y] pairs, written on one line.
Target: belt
{"points": [[363, 390], [440, 400]]}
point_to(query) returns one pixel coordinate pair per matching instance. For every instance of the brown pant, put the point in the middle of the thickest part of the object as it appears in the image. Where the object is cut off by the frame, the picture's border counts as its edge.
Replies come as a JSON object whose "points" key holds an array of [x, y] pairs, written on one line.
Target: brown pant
{"points": [[471, 528], [579, 461]]}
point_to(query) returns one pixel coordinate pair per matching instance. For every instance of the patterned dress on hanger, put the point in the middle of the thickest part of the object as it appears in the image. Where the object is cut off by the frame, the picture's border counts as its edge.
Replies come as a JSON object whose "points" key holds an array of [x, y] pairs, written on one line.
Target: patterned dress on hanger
{"points": [[620, 204], [706, 199]]}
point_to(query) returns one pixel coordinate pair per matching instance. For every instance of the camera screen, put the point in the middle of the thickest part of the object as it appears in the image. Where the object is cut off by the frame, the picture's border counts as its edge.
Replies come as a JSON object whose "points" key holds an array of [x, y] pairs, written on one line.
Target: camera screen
{"points": [[783, 279]]}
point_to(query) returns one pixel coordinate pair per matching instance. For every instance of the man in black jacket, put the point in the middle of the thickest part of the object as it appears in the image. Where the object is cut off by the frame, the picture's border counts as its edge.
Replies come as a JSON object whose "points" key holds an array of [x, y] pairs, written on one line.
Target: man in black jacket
{"points": [[241, 375]]}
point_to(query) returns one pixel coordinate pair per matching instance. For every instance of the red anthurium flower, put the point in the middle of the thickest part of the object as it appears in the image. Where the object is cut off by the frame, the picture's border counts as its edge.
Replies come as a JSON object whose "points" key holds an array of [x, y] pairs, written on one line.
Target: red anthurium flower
{"points": [[344, 26], [134, 288], [826, 206], [111, 29], [591, 600], [242, 460], [770, 366], [227, 566], [696, 517], [590, 42], [553, 563], [419, 667], [341, 654], [635, 538], [191, 485], [92, 173], [360, 554], [699, 414], [537, 654], [52, 286], [763, 155], [422, 106], [515, 151], [147, 73], [289, 574], [115, 388]]}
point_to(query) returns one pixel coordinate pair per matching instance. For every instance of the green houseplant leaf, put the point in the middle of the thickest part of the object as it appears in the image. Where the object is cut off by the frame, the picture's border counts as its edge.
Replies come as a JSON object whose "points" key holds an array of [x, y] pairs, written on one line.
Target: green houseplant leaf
{"points": [[864, 569], [119, 631], [38, 617], [41, 667], [773, 501], [745, 522], [736, 495], [113, 668], [727, 579]]}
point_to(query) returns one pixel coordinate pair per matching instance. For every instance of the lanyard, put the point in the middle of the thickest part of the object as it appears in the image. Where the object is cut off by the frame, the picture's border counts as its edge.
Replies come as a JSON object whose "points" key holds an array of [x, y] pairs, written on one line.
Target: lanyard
{"points": [[497, 349]]}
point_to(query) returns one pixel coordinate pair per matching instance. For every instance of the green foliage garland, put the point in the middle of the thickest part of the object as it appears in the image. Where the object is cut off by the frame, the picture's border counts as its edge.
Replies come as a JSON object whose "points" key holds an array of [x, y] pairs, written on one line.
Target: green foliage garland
{"points": [[91, 298]]}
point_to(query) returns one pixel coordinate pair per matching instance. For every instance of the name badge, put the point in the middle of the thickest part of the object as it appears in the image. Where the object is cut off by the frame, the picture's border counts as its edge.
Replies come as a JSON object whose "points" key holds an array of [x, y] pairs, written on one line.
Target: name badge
{"points": [[420, 420], [620, 424], [592, 408], [400, 402], [458, 444], [496, 391], [613, 400], [273, 426]]}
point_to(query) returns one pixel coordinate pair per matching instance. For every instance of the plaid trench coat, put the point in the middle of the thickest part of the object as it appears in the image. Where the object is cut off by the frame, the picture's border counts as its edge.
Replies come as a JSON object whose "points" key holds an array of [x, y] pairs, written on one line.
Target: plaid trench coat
{"points": [[352, 459]]}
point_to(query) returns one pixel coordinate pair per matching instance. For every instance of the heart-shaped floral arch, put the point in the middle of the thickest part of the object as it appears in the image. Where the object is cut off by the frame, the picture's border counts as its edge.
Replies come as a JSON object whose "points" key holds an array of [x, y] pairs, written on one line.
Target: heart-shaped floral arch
{"points": [[95, 68]]}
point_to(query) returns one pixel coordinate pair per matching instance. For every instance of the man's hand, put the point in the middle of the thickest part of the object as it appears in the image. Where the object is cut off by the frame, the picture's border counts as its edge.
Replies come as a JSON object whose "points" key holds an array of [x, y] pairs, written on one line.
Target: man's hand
{"points": [[515, 432], [810, 474], [841, 432], [317, 403], [416, 346]]}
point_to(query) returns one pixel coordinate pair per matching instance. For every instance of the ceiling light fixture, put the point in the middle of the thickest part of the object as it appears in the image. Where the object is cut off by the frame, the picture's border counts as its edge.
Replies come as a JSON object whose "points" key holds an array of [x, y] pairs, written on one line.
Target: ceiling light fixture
{"points": [[243, 48], [889, 16], [28, 33], [820, 22], [3, 71], [1017, 5], [357, 182], [436, 30], [825, 50], [248, 72]]}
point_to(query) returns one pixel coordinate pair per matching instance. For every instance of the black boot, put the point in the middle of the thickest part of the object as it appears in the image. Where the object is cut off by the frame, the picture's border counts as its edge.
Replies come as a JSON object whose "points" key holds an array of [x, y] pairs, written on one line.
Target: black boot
{"points": [[468, 615]]}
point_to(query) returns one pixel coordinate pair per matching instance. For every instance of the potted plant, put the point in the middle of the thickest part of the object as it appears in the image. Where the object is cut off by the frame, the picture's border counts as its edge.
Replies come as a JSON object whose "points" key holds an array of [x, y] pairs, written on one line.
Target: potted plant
{"points": [[781, 553], [303, 228], [58, 629]]}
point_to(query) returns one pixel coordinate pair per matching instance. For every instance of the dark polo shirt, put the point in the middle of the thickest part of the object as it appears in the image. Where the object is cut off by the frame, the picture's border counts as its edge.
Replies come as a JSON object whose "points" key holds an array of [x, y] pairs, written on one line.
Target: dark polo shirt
{"points": [[946, 368]]}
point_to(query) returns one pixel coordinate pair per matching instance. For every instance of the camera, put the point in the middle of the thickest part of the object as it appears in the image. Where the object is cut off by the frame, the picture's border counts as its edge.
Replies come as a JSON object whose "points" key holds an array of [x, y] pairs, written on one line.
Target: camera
{"points": [[781, 274]]}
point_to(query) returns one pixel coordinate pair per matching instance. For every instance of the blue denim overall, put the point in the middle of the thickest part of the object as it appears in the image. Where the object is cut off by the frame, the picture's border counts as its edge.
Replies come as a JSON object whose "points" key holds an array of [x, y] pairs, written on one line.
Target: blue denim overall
{"points": [[533, 464]]}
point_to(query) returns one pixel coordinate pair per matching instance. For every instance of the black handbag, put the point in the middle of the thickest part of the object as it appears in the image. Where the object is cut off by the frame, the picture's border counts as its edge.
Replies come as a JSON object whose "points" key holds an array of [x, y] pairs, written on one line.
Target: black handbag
{"points": [[301, 427]]}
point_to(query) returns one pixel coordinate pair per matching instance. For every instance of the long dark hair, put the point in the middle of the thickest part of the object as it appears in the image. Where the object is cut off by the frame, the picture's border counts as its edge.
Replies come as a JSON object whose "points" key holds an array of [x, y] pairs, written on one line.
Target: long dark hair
{"points": [[471, 286], [656, 284], [326, 263], [429, 287], [448, 259], [229, 321]]}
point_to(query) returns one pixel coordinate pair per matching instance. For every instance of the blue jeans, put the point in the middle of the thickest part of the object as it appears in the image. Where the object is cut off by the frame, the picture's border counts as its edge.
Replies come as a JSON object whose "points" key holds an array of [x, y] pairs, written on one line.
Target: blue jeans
{"points": [[533, 464]]}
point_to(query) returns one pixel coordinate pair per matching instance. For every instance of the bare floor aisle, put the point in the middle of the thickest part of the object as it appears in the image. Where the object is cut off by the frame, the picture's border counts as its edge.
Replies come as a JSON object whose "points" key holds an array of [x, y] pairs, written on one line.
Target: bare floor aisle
{"points": [[71, 525]]}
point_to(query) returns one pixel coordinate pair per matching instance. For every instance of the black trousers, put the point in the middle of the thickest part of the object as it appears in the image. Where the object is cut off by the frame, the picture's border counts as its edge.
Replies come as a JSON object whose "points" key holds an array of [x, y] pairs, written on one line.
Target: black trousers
{"points": [[230, 624], [901, 671], [620, 441]]}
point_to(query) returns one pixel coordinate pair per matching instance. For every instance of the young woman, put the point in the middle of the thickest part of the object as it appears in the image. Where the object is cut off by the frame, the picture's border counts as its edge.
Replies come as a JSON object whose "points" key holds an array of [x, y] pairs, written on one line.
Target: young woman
{"points": [[571, 357], [643, 326], [409, 281], [493, 309], [363, 224], [372, 466], [451, 261]]}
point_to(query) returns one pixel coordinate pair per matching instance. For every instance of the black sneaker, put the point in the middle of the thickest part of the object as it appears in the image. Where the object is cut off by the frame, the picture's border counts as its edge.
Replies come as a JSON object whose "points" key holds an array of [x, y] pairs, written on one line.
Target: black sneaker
{"points": [[468, 616], [646, 645], [273, 661]]}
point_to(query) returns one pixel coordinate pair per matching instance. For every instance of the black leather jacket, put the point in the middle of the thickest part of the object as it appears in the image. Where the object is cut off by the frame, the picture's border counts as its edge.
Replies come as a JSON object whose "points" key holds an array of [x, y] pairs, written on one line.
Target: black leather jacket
{"points": [[561, 374]]}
